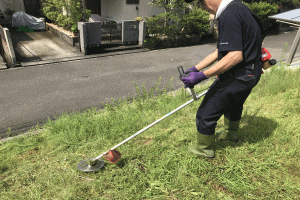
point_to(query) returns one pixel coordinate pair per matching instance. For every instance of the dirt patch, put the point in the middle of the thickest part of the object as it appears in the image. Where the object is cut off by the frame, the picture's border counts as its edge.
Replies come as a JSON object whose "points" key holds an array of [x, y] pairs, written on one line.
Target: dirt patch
{"points": [[148, 141], [30, 153]]}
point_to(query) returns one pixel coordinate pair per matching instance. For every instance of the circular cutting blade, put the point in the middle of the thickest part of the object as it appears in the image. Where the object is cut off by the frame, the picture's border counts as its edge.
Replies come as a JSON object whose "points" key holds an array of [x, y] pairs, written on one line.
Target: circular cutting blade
{"points": [[90, 165]]}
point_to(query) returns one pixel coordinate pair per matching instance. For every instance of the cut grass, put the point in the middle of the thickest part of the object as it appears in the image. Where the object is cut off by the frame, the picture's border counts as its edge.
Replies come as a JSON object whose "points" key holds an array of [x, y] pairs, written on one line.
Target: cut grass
{"points": [[264, 164]]}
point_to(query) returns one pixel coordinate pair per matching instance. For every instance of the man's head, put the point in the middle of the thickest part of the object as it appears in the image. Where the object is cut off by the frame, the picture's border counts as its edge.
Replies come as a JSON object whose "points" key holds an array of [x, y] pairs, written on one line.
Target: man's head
{"points": [[210, 6]]}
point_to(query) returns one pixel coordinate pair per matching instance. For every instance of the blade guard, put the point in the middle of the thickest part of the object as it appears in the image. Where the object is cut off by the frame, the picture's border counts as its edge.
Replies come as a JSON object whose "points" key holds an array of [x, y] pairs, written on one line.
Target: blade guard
{"points": [[113, 156]]}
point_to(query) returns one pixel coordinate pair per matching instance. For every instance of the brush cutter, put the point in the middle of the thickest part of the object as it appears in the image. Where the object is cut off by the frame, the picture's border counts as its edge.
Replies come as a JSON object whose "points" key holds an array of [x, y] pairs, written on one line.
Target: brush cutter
{"points": [[113, 155], [266, 59]]}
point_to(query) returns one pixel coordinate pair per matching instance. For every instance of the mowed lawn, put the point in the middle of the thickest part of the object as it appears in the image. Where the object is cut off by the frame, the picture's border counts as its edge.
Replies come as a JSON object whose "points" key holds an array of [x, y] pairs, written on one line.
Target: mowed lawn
{"points": [[264, 164]]}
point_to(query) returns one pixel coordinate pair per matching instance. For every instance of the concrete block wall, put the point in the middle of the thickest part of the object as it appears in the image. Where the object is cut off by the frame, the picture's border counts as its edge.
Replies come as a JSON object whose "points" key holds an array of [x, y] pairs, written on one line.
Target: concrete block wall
{"points": [[55, 30], [133, 32], [90, 35], [7, 49], [130, 32]]}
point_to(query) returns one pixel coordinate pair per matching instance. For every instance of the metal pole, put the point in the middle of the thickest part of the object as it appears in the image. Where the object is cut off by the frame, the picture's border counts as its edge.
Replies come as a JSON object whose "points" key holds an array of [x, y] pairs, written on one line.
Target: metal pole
{"points": [[294, 24], [294, 48], [84, 9], [157, 121]]}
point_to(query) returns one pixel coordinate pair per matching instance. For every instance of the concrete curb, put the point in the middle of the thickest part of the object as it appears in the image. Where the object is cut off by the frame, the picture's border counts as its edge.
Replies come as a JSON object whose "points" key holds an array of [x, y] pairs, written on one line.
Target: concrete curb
{"points": [[68, 59], [28, 133]]}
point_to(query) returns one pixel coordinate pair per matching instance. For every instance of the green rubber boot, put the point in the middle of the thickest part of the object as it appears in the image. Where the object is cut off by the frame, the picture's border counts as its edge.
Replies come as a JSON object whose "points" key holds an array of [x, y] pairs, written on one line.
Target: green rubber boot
{"points": [[232, 128], [204, 146]]}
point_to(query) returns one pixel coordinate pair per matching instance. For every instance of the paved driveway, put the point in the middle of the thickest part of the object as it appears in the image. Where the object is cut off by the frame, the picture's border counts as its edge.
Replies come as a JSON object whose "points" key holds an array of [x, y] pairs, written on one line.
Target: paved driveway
{"points": [[40, 46]]}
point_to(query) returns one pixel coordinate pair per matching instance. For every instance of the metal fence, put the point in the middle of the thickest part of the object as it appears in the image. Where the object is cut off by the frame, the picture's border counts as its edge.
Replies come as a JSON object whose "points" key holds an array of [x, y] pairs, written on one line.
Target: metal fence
{"points": [[111, 33]]}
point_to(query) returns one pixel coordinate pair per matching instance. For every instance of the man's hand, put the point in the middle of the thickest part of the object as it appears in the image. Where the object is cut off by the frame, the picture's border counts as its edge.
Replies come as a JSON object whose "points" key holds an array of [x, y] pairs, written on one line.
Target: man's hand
{"points": [[193, 78], [193, 69]]}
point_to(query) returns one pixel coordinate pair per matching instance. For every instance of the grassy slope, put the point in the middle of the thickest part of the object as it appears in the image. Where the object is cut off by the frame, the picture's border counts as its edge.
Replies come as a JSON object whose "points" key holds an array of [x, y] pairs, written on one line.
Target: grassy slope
{"points": [[264, 164]]}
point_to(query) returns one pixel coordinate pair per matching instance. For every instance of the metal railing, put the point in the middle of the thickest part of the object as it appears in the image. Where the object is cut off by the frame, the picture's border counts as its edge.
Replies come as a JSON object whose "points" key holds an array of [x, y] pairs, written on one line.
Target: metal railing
{"points": [[111, 33]]}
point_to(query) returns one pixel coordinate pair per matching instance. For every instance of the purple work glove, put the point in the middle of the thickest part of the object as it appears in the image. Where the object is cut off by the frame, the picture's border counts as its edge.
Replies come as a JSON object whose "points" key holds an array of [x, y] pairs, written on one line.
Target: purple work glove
{"points": [[193, 78], [193, 69]]}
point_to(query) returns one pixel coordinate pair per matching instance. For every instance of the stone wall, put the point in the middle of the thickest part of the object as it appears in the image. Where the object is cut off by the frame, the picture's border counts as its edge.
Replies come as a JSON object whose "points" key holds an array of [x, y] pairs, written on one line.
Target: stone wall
{"points": [[6, 46]]}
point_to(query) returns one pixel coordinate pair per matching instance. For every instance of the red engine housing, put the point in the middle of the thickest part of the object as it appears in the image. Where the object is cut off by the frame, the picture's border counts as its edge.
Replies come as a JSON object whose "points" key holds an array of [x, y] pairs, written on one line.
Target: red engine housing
{"points": [[265, 54]]}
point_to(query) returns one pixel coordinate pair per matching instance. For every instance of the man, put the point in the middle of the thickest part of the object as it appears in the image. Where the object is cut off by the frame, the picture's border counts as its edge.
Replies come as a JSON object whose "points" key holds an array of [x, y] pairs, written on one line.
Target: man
{"points": [[238, 69]]}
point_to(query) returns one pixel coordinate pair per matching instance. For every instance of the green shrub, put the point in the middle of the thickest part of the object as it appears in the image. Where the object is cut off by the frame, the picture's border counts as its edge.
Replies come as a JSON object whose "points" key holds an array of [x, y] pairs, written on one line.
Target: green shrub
{"points": [[53, 10], [168, 23], [154, 26], [174, 24], [164, 24], [61, 20], [263, 11], [195, 22], [286, 4], [50, 11], [74, 28]]}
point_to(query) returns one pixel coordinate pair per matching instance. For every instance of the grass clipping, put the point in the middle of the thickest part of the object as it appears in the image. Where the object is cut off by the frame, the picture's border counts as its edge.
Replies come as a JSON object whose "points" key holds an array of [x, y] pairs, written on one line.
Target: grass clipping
{"points": [[264, 164]]}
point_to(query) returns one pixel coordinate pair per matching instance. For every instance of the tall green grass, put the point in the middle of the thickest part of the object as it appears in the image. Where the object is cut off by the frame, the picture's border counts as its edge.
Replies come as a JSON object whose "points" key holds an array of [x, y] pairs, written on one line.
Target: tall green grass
{"points": [[264, 164]]}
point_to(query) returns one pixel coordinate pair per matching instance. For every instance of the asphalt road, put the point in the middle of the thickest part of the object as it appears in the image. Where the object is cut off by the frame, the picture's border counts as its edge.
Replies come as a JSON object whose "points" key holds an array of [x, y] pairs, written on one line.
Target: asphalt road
{"points": [[31, 95]]}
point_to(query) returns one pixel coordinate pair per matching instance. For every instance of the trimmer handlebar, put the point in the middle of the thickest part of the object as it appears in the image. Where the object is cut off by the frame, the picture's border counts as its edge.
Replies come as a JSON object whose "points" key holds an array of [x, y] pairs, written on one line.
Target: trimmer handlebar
{"points": [[191, 90], [181, 72]]}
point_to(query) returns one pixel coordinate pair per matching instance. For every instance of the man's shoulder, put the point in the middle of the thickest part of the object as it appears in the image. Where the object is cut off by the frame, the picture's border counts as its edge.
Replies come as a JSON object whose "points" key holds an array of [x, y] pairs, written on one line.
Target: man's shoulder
{"points": [[236, 4], [235, 8]]}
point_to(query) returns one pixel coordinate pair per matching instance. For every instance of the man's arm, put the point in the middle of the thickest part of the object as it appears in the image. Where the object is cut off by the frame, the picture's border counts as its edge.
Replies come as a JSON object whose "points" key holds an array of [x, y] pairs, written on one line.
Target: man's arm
{"points": [[230, 60], [209, 60]]}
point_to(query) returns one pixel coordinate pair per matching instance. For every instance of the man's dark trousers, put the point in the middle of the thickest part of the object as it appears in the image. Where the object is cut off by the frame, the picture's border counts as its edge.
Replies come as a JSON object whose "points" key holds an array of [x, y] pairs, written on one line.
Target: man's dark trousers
{"points": [[225, 96]]}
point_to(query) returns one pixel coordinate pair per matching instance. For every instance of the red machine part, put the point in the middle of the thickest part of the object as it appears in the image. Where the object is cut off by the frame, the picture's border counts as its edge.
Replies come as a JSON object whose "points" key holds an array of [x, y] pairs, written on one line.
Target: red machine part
{"points": [[265, 55], [266, 59]]}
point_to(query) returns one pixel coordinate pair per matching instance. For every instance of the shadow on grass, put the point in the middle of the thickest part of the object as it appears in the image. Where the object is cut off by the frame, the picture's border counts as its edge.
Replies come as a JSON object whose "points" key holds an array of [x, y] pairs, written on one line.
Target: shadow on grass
{"points": [[253, 129]]}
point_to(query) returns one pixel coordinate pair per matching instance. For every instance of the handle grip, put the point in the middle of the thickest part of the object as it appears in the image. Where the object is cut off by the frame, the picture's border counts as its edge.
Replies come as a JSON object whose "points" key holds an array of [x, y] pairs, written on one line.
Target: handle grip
{"points": [[191, 90], [181, 73]]}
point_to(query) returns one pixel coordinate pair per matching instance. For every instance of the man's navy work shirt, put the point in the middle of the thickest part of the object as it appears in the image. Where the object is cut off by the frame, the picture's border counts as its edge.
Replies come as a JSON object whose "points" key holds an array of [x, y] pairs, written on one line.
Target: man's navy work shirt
{"points": [[239, 30]]}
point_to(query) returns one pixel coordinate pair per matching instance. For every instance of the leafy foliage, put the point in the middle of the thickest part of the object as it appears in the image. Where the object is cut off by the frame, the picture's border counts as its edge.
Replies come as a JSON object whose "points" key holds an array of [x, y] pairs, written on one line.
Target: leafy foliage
{"points": [[196, 22], [263, 10], [177, 21], [286, 4], [65, 13]]}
